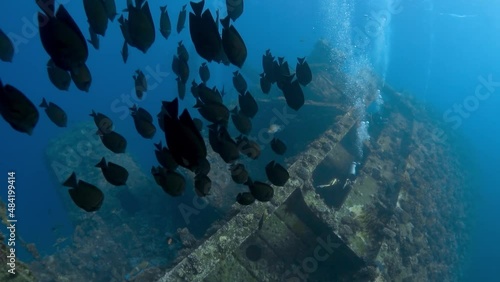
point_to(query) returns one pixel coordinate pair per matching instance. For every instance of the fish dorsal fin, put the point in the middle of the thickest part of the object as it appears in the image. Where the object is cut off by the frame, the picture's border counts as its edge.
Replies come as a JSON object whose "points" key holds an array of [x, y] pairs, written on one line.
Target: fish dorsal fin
{"points": [[225, 21], [44, 103], [71, 181], [102, 163], [186, 120], [198, 7], [213, 127]]}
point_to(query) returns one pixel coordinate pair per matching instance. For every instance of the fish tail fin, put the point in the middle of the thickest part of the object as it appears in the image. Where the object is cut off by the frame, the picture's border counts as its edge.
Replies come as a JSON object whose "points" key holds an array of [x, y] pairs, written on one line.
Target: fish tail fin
{"points": [[249, 181], [198, 104], [93, 114], [197, 7], [134, 108], [158, 145], [44, 104], [225, 21], [163, 8], [102, 163], [301, 60], [235, 110], [172, 108], [71, 181], [48, 6]]}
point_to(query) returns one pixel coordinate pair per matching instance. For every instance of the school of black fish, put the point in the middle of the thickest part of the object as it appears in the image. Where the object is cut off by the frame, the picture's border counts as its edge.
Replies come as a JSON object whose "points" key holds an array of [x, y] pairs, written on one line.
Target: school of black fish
{"points": [[185, 147]]}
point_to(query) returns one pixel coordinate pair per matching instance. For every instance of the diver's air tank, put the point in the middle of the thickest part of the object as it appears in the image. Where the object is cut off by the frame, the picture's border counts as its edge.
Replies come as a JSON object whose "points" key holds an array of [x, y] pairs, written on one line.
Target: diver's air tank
{"points": [[352, 171]]}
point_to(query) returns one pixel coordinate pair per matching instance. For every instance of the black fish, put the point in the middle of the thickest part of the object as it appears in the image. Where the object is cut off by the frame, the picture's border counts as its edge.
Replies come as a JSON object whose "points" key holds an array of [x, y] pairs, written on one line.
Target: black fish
{"points": [[204, 33], [293, 95], [85, 195], [143, 122], [303, 72], [110, 7], [170, 181], [278, 146], [183, 138], [124, 52], [180, 68], [223, 144], [60, 78], [213, 112], [239, 174], [114, 142], [140, 27], [94, 39], [242, 123], [6, 48], [203, 168], [248, 147], [182, 52], [276, 173], [165, 25], [248, 105], [164, 157], [104, 123], [141, 80], [198, 123], [55, 113], [239, 82], [61, 38], [202, 185], [234, 8], [181, 21], [261, 191], [140, 83], [181, 88], [283, 76], [245, 198], [233, 45], [265, 84], [96, 16], [81, 77], [194, 89], [141, 113], [267, 63], [144, 127], [204, 72], [17, 110], [124, 29], [208, 95], [115, 174]]}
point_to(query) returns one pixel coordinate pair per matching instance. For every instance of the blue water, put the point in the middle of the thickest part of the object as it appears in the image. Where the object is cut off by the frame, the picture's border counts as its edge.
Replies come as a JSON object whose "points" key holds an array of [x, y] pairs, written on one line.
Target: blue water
{"points": [[437, 51]]}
